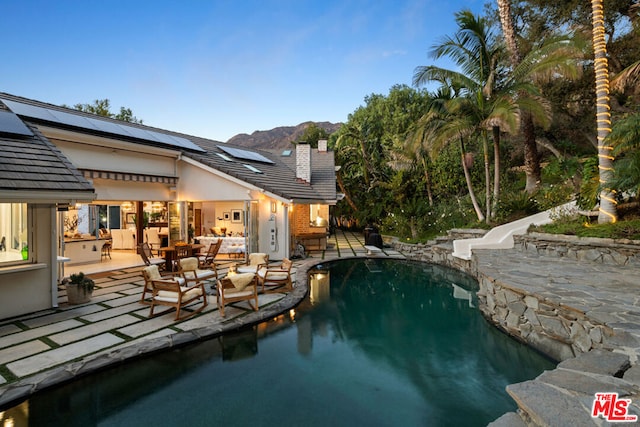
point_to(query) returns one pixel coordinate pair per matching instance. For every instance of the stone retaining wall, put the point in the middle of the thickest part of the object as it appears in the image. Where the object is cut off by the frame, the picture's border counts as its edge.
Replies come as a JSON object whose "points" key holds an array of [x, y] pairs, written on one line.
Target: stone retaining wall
{"points": [[590, 249]]}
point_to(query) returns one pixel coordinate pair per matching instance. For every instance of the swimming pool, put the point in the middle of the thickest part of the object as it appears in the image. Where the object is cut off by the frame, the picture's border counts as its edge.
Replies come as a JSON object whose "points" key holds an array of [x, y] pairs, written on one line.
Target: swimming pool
{"points": [[377, 342]]}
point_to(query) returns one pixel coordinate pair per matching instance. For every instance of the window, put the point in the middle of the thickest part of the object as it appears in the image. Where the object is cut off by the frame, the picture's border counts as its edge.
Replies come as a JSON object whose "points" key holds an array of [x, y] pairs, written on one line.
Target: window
{"points": [[14, 244], [318, 215]]}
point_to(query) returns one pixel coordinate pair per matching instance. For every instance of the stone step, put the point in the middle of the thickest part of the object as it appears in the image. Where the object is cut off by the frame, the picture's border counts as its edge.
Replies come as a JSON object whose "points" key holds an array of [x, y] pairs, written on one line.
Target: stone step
{"points": [[564, 396]]}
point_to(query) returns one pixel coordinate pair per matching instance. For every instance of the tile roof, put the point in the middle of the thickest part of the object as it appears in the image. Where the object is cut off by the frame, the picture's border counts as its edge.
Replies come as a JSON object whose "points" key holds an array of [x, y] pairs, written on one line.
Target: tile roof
{"points": [[31, 164], [278, 178]]}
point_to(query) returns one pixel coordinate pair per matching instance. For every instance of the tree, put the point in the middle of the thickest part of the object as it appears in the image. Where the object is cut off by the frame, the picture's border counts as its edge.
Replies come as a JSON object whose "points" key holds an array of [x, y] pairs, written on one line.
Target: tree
{"points": [[607, 210], [312, 134], [102, 107], [473, 49], [531, 160]]}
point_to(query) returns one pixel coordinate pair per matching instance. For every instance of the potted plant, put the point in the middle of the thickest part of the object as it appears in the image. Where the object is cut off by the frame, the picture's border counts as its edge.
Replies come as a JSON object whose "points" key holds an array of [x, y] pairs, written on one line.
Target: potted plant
{"points": [[79, 288]]}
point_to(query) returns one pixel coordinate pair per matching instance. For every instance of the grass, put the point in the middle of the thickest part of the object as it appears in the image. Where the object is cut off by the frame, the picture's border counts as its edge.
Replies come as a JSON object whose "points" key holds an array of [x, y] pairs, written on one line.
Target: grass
{"points": [[623, 229]]}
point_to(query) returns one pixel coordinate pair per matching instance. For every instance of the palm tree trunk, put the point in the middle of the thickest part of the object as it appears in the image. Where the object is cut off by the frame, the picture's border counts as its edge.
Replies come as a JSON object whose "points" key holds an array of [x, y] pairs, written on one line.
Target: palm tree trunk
{"points": [[607, 212], [496, 168], [427, 179], [467, 177], [487, 175], [531, 160]]}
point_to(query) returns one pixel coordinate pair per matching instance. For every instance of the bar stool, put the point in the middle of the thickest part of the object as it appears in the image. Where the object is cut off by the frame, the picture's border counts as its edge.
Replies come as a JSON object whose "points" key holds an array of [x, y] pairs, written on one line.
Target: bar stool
{"points": [[106, 251]]}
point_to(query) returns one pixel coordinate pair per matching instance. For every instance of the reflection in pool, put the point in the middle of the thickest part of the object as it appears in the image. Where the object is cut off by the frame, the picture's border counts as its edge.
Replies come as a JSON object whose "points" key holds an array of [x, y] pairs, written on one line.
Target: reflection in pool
{"points": [[387, 342]]}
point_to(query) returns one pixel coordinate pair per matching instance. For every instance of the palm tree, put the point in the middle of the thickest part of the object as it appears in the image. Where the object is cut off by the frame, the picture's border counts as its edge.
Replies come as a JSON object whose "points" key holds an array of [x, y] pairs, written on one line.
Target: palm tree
{"points": [[607, 210], [531, 161], [442, 125]]}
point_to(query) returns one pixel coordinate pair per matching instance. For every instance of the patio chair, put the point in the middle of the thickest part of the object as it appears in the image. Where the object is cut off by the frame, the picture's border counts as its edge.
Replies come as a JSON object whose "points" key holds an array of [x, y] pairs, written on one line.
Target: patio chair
{"points": [[153, 239], [188, 269], [183, 250], [237, 288], [147, 256], [276, 277], [256, 261], [151, 273], [168, 292], [207, 260]]}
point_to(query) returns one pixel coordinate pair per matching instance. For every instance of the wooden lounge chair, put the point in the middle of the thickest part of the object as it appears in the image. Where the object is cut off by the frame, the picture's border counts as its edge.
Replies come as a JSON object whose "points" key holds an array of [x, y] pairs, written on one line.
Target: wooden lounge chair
{"points": [[168, 292], [256, 261], [147, 256], [207, 260], [276, 277], [188, 269], [152, 272], [236, 288]]}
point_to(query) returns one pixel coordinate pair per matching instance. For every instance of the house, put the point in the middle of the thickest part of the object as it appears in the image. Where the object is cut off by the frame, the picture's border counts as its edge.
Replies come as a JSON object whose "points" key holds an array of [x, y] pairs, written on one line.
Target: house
{"points": [[84, 179]]}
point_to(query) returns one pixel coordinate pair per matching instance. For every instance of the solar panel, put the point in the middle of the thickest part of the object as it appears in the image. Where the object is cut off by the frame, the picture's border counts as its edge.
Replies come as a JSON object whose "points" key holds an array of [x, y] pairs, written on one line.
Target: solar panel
{"points": [[72, 120], [29, 110], [90, 123], [10, 123], [244, 154], [108, 127]]}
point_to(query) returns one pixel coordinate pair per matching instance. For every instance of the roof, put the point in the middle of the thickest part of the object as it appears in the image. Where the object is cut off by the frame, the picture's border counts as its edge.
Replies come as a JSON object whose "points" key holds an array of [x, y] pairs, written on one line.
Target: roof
{"points": [[33, 169], [278, 177], [270, 171]]}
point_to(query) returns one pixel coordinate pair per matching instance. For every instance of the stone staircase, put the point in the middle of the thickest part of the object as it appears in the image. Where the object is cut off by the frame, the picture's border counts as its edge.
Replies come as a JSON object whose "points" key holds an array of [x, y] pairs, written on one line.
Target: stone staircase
{"points": [[564, 396]]}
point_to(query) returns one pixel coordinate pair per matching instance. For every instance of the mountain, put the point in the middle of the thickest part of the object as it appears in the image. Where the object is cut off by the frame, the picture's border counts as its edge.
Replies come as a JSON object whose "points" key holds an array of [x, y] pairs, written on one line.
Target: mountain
{"points": [[279, 138]]}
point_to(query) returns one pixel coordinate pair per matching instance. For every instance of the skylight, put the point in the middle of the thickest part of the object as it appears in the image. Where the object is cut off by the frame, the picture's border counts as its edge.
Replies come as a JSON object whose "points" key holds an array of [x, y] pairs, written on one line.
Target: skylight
{"points": [[286, 153], [224, 157], [244, 154], [252, 169]]}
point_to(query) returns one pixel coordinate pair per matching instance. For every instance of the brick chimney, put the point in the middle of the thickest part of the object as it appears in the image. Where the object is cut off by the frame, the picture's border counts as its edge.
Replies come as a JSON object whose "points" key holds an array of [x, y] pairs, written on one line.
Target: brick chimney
{"points": [[303, 162], [322, 145]]}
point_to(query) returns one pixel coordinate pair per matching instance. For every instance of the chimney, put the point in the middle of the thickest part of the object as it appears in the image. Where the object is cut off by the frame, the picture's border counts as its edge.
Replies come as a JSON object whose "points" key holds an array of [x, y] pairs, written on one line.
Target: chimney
{"points": [[322, 145], [303, 161]]}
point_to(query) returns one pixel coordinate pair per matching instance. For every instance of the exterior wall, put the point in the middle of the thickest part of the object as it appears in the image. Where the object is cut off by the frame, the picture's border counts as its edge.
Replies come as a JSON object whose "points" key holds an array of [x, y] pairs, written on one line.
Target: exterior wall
{"points": [[313, 238], [135, 159], [30, 288], [196, 184]]}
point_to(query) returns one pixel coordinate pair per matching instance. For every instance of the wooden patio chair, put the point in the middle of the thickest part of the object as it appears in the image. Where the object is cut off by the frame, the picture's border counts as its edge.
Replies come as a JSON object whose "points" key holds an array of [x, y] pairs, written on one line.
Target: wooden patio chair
{"points": [[256, 261], [168, 292], [147, 256], [188, 269], [152, 272], [207, 260], [276, 277], [237, 288]]}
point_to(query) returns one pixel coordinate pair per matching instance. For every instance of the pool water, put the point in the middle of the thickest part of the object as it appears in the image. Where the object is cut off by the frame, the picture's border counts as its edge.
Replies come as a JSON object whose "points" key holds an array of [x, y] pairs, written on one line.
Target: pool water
{"points": [[387, 342]]}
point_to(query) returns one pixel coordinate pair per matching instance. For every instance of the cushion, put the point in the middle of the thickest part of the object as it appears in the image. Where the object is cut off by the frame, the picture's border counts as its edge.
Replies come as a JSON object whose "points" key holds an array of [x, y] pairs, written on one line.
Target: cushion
{"points": [[241, 281], [273, 275], [152, 272], [190, 263], [201, 274], [247, 269], [169, 296], [257, 258]]}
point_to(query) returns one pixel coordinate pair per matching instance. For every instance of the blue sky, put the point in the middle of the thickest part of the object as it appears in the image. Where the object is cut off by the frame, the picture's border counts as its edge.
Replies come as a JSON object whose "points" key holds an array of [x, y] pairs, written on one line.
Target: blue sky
{"points": [[218, 68]]}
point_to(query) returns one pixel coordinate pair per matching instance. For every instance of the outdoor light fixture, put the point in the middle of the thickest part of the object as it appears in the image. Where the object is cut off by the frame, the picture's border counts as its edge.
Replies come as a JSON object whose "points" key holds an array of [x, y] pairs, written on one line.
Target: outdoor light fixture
{"points": [[274, 207]]}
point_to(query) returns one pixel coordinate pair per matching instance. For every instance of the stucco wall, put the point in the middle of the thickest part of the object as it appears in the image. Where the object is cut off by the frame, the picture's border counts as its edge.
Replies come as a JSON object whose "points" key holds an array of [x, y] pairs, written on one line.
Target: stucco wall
{"points": [[28, 288]]}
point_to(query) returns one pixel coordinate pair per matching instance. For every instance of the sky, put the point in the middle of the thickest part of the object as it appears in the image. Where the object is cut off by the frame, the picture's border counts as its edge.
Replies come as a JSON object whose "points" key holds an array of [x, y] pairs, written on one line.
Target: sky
{"points": [[218, 68]]}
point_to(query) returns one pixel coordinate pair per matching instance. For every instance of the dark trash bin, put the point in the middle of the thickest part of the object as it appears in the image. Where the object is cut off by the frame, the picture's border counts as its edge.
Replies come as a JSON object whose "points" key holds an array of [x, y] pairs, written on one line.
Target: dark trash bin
{"points": [[374, 239]]}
